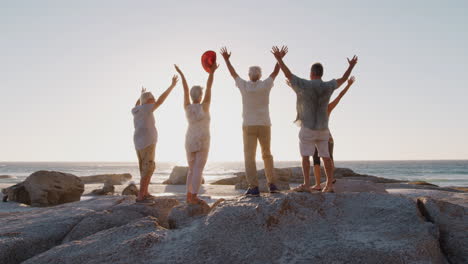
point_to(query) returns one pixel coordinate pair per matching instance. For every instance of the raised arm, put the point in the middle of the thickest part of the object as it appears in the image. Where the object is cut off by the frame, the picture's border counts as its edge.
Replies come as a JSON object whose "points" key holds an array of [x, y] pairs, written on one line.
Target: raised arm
{"points": [[166, 93], [226, 56], [209, 83], [352, 62], [275, 72], [185, 86], [277, 53], [335, 102]]}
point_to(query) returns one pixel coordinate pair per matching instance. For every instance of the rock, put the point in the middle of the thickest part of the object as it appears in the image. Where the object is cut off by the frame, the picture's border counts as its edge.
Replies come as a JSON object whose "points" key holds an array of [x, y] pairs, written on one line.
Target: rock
{"points": [[125, 244], [454, 197], [131, 189], [17, 193], [421, 183], [463, 189], [262, 185], [345, 185], [228, 181], [26, 234], [185, 213], [119, 215], [107, 189], [218, 202], [113, 179], [6, 177], [46, 188], [179, 176], [452, 221], [348, 228]]}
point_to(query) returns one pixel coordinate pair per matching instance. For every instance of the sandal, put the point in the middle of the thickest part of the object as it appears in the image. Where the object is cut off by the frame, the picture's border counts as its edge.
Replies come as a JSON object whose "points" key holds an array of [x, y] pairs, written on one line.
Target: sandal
{"points": [[301, 188], [196, 201]]}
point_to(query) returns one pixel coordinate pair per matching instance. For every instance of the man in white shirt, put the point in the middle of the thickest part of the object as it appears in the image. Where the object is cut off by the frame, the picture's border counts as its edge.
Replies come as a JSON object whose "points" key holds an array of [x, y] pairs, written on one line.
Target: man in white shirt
{"points": [[256, 121]]}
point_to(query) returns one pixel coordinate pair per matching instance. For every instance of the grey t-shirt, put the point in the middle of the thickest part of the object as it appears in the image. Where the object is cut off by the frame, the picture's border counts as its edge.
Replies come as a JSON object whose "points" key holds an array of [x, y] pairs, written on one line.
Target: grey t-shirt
{"points": [[313, 97]]}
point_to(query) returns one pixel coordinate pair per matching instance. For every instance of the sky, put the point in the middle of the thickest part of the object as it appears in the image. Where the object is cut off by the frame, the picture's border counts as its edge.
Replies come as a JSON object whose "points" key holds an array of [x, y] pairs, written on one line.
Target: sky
{"points": [[70, 72]]}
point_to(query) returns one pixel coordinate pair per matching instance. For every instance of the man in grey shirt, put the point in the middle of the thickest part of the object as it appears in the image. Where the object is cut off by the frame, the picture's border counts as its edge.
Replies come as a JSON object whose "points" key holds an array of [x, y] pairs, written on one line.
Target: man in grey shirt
{"points": [[256, 125], [313, 97]]}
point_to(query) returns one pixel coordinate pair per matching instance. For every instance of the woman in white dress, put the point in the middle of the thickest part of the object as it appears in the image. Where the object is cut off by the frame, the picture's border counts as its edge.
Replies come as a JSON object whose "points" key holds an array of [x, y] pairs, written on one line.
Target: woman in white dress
{"points": [[197, 139]]}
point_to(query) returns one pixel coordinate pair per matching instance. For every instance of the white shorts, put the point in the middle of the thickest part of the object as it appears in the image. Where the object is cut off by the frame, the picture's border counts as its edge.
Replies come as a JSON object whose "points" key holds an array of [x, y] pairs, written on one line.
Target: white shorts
{"points": [[310, 139]]}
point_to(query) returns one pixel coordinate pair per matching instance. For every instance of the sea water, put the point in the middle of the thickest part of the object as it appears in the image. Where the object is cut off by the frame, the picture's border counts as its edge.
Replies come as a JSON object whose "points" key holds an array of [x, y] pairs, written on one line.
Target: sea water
{"points": [[440, 172]]}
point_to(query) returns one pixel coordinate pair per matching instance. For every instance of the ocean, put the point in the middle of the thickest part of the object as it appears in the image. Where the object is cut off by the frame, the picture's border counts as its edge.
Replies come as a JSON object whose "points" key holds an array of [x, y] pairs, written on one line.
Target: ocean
{"points": [[439, 172]]}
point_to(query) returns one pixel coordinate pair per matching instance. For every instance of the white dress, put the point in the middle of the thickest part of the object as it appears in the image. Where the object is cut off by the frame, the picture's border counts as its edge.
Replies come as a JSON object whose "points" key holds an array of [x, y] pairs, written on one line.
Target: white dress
{"points": [[198, 132]]}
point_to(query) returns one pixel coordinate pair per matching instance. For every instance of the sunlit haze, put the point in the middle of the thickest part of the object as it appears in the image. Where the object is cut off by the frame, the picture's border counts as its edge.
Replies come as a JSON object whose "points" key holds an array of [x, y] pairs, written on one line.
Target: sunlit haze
{"points": [[71, 72]]}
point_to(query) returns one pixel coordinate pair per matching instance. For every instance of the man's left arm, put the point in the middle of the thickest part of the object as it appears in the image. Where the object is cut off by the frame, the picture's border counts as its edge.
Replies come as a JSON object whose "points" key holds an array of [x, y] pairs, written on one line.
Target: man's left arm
{"points": [[283, 52], [352, 62]]}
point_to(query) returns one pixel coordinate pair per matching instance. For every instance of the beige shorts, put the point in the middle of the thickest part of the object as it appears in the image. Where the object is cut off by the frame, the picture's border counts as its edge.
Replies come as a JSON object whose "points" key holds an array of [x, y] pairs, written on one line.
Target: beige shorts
{"points": [[146, 160], [310, 139]]}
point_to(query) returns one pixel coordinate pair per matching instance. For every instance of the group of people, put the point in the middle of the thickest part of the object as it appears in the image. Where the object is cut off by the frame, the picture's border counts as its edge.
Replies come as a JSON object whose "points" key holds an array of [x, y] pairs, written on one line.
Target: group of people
{"points": [[313, 111]]}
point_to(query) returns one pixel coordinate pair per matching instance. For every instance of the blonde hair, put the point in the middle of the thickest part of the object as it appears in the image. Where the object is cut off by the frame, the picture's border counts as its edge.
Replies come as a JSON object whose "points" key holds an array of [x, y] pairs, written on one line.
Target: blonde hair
{"points": [[196, 92]]}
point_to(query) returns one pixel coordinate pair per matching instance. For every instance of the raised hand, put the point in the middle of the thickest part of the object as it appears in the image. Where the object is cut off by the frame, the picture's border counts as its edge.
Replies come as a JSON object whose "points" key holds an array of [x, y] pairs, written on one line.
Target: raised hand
{"points": [[178, 70], [175, 79], [353, 61], [143, 89], [214, 67], [226, 55], [351, 80], [284, 51], [276, 52]]}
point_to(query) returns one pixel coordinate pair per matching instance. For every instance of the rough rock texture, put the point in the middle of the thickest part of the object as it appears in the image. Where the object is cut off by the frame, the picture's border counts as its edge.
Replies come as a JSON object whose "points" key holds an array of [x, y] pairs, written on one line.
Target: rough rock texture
{"points": [[453, 196], [119, 215], [113, 179], [131, 189], [345, 185], [17, 193], [179, 176], [45, 188], [26, 234], [107, 189], [280, 228], [130, 243], [452, 221], [185, 213], [262, 185]]}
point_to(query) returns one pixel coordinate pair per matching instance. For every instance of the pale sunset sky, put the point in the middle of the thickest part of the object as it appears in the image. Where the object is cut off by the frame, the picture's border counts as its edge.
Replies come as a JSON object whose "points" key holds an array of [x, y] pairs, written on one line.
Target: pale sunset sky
{"points": [[72, 70]]}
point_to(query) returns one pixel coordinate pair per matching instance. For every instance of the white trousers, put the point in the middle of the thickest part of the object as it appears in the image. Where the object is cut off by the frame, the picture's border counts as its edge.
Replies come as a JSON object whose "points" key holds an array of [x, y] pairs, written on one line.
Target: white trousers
{"points": [[196, 161]]}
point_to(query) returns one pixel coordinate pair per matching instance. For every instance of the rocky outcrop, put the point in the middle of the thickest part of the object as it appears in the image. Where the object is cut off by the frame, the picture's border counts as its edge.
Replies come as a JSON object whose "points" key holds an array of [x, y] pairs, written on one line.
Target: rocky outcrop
{"points": [[262, 185], [452, 221], [179, 176], [131, 189], [112, 179], [6, 177], [107, 189], [294, 175], [46, 188], [347, 228]]}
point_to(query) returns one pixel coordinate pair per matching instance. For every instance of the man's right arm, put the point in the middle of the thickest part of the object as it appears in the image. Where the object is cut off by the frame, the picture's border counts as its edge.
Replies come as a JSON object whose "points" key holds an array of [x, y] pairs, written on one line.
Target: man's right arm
{"points": [[226, 55], [352, 62], [279, 58]]}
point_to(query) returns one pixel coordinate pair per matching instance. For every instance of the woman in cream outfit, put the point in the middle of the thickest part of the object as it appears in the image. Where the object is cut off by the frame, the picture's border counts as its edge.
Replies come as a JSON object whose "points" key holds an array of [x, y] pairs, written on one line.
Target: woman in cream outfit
{"points": [[197, 139]]}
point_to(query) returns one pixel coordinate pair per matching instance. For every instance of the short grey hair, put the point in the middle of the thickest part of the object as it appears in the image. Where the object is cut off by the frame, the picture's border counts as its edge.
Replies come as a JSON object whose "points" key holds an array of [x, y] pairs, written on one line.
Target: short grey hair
{"points": [[196, 92], [255, 70], [145, 96]]}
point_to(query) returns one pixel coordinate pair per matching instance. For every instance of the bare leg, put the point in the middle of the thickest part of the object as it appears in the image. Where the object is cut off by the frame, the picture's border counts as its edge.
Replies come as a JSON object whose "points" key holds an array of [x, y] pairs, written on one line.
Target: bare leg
{"points": [[328, 163], [190, 161], [306, 171], [318, 176]]}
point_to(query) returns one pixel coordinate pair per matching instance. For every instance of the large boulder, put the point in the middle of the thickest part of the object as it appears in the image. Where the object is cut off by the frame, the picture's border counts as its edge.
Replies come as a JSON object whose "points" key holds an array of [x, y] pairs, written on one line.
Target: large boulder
{"points": [[46, 188], [26, 234], [112, 179], [452, 221], [179, 176], [347, 228]]}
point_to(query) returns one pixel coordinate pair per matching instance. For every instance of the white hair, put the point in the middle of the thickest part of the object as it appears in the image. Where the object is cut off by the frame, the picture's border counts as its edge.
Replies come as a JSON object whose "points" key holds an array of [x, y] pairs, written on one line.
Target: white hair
{"points": [[145, 96], [255, 71], [196, 92]]}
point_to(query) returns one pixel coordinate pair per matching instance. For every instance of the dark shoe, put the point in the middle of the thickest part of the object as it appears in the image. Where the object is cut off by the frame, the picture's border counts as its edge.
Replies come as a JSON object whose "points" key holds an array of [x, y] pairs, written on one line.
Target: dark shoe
{"points": [[252, 191], [273, 188]]}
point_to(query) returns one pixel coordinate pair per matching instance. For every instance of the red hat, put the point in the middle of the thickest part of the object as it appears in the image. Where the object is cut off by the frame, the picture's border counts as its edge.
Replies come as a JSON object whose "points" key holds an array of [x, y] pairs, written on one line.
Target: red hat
{"points": [[208, 59]]}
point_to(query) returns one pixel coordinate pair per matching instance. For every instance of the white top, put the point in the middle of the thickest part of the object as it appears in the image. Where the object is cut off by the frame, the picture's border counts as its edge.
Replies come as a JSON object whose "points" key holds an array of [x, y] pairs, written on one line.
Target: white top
{"points": [[198, 132], [145, 126], [255, 101]]}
